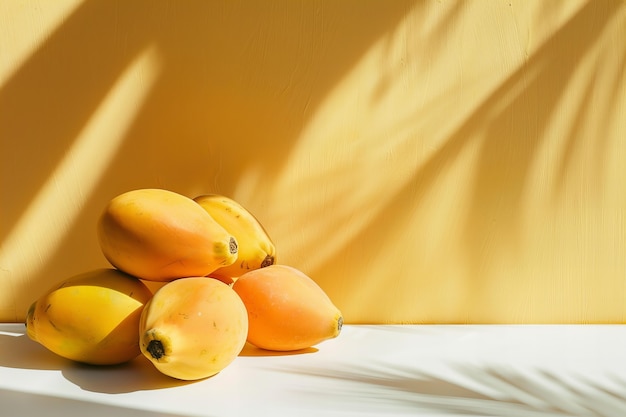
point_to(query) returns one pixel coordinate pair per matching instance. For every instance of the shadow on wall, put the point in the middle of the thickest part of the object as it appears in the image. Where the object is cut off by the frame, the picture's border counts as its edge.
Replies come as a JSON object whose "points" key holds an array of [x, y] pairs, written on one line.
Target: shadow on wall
{"points": [[323, 116], [506, 134], [234, 83]]}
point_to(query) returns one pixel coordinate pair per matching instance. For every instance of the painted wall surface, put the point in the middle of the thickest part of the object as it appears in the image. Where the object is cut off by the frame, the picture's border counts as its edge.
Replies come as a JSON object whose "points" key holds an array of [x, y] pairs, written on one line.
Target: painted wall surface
{"points": [[423, 161]]}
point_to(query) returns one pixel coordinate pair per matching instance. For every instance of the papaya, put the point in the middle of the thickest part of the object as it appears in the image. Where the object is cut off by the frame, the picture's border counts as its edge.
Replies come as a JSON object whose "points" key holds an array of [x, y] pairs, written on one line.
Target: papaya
{"points": [[160, 235], [91, 317], [193, 328], [287, 310], [256, 248]]}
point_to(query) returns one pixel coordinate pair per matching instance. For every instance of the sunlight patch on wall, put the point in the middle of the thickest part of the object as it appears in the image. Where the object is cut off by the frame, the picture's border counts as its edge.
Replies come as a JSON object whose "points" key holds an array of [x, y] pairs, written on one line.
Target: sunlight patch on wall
{"points": [[42, 19], [58, 203]]}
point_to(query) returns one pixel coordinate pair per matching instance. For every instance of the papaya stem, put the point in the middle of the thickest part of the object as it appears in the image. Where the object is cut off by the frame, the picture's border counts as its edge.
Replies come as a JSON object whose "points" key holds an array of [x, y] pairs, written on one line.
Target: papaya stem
{"points": [[232, 246], [269, 260], [156, 349]]}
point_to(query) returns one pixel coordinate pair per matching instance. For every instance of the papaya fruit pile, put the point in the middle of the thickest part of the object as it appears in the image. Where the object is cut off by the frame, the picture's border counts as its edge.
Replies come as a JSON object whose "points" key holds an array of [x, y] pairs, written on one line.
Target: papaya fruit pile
{"points": [[220, 287]]}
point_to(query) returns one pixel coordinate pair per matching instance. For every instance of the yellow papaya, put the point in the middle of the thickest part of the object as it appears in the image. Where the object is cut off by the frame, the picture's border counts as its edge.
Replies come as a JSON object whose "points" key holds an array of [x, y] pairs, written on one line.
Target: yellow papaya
{"points": [[256, 249], [193, 328], [160, 235], [92, 317]]}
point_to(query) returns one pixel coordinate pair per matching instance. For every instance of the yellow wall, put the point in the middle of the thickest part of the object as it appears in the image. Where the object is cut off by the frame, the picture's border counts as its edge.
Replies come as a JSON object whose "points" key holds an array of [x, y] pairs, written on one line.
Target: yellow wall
{"points": [[424, 161]]}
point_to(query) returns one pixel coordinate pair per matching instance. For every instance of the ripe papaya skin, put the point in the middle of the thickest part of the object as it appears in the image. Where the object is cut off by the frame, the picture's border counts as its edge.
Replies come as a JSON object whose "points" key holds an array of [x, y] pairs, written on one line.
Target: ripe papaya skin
{"points": [[256, 249], [287, 310], [193, 328], [160, 235], [91, 317]]}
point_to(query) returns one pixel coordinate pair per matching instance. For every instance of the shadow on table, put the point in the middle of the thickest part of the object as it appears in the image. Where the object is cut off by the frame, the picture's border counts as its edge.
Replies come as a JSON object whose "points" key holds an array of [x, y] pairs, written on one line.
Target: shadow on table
{"points": [[16, 403], [251, 350], [18, 351], [477, 391]]}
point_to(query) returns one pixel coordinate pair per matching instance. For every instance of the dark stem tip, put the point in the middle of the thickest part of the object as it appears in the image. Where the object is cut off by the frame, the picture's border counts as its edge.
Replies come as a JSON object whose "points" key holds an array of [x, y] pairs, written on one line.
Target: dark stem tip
{"points": [[155, 348], [232, 246], [269, 260]]}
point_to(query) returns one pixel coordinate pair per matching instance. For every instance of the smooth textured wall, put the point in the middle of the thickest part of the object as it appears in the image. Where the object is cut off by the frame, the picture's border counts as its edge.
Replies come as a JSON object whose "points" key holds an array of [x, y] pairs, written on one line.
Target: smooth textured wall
{"points": [[424, 161]]}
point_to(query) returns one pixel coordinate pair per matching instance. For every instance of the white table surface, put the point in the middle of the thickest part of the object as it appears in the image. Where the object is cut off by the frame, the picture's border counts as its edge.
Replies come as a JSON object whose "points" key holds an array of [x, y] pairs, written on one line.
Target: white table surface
{"points": [[394, 370]]}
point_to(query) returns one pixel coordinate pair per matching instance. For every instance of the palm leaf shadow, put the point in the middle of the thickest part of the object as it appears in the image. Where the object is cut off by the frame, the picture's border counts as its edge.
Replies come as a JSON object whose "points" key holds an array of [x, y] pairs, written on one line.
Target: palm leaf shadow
{"points": [[501, 175], [474, 391]]}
